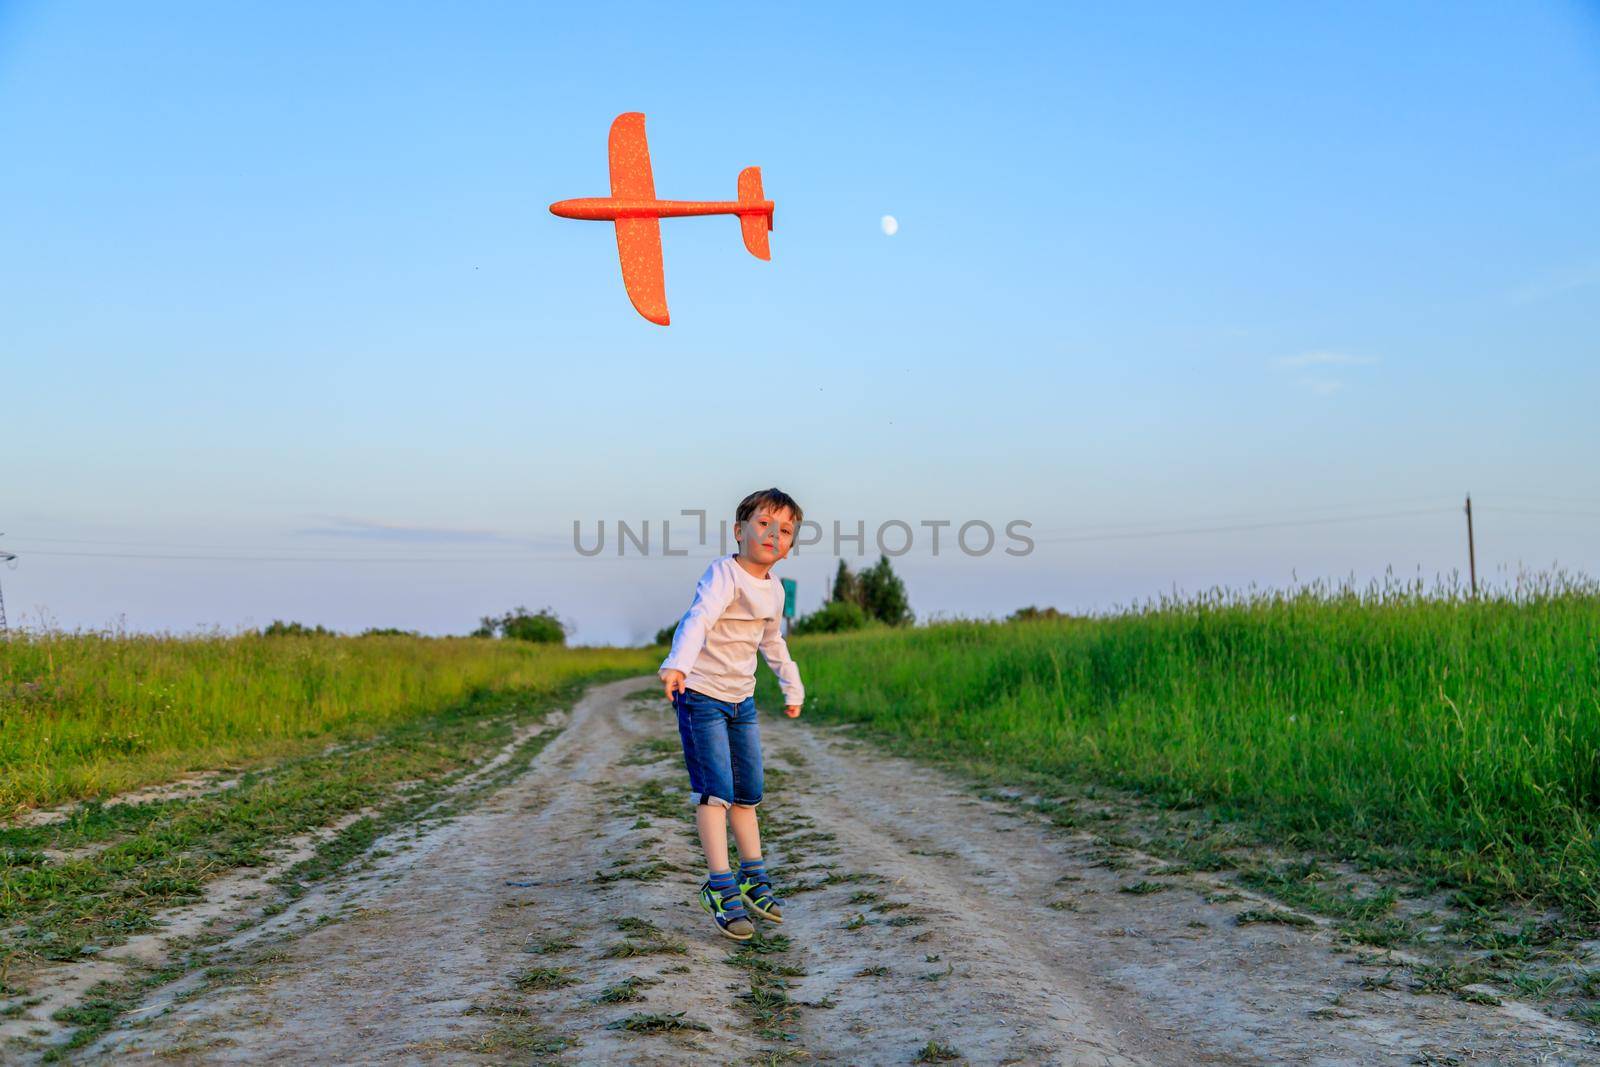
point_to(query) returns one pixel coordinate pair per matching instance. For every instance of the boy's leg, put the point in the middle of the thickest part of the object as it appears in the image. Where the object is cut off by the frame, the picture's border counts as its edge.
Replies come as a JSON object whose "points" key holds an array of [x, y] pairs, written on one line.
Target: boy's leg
{"points": [[755, 884], [703, 729], [702, 726], [712, 822], [746, 832], [744, 760], [744, 745]]}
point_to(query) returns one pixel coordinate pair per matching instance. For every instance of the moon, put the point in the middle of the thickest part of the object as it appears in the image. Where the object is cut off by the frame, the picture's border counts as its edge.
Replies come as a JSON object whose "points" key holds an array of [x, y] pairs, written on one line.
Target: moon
{"points": [[890, 224]]}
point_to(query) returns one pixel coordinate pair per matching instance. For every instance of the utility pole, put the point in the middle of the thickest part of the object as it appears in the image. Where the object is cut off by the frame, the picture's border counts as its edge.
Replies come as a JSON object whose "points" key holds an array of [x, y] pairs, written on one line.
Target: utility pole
{"points": [[1472, 555], [5, 557]]}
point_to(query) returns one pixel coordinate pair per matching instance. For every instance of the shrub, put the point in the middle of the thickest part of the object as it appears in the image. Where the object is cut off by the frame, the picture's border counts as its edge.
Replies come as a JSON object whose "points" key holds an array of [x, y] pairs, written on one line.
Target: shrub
{"points": [[836, 616], [877, 591], [279, 628], [520, 624], [1033, 614]]}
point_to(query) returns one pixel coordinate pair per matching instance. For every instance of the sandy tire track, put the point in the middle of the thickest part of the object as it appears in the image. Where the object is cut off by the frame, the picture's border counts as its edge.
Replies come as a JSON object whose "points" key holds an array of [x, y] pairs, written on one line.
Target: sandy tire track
{"points": [[916, 913], [1168, 975]]}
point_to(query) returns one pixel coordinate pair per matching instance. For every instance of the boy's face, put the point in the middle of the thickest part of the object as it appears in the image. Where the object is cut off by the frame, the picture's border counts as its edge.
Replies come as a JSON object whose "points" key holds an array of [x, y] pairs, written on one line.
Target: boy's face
{"points": [[766, 536]]}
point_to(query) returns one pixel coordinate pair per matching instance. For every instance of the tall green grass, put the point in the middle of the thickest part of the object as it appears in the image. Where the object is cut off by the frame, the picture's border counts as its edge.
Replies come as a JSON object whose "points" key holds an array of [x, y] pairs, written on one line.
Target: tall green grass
{"points": [[86, 715], [1455, 737]]}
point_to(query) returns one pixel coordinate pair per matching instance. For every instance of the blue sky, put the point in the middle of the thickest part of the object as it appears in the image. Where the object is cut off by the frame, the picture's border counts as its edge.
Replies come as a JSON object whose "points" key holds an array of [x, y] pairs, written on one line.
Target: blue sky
{"points": [[278, 284]]}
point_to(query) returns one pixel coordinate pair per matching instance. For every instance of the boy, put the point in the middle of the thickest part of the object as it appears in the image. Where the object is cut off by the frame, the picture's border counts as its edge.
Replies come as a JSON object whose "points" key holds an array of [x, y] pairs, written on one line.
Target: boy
{"points": [[710, 676]]}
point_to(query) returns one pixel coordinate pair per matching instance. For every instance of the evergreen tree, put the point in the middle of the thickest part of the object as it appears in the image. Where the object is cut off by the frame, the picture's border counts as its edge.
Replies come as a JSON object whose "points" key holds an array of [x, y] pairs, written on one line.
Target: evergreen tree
{"points": [[846, 587], [875, 595], [883, 594]]}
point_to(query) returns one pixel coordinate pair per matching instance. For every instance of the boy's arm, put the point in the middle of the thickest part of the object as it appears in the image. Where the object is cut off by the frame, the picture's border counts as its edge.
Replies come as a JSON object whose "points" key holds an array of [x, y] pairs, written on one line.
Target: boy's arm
{"points": [[776, 652], [712, 594]]}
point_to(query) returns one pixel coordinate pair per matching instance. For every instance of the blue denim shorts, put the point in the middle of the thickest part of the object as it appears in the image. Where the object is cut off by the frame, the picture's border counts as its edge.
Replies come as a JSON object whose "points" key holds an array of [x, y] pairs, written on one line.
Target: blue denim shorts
{"points": [[721, 748]]}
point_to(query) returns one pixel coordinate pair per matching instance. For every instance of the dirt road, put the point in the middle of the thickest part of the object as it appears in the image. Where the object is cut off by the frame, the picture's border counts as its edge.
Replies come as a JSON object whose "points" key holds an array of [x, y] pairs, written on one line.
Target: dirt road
{"points": [[921, 921]]}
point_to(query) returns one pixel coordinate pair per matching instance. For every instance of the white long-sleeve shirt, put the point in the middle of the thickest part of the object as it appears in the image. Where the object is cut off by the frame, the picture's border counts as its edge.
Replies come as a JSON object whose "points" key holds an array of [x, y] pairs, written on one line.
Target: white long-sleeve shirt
{"points": [[734, 614]]}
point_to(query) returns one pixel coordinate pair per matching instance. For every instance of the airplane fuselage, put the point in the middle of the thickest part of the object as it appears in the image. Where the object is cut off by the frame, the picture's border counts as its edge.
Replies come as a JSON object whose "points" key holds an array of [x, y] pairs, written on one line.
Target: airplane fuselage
{"points": [[611, 208], [635, 215]]}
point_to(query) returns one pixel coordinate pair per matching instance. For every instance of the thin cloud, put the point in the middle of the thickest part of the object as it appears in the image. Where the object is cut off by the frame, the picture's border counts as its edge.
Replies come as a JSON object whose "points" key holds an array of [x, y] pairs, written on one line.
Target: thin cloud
{"points": [[370, 530], [1322, 386], [1557, 283], [1326, 359]]}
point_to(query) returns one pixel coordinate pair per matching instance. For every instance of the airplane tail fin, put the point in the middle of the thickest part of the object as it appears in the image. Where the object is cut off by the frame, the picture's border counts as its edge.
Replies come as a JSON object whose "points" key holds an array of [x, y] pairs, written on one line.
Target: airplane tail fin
{"points": [[754, 226]]}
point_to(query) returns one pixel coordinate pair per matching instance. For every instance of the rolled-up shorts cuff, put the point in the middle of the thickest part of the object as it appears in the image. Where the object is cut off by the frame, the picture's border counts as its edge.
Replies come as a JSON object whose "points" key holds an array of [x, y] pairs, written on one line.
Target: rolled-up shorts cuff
{"points": [[747, 803], [697, 798]]}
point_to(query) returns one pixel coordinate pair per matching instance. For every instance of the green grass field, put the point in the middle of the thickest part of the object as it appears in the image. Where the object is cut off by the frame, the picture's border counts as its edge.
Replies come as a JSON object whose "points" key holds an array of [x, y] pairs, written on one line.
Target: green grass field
{"points": [[84, 716], [361, 735], [1453, 743], [1453, 740]]}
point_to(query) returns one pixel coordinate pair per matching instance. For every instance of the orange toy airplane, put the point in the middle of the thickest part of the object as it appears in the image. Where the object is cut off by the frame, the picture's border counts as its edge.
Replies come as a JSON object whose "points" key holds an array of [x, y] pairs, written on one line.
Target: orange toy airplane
{"points": [[637, 213]]}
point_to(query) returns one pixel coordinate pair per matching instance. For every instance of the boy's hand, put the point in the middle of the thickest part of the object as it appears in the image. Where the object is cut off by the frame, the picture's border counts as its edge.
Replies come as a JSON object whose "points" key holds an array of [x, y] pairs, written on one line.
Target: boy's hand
{"points": [[792, 710], [673, 681]]}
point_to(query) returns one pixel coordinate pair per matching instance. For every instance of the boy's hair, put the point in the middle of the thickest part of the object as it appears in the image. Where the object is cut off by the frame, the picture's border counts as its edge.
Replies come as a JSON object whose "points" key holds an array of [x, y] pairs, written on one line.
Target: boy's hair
{"points": [[774, 499]]}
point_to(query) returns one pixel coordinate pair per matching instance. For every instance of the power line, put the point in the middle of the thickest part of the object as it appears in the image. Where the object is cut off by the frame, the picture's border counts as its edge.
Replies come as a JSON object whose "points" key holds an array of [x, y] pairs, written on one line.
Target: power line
{"points": [[1544, 511], [273, 551], [1248, 526], [219, 548], [1546, 496], [1120, 532], [1252, 516], [299, 559]]}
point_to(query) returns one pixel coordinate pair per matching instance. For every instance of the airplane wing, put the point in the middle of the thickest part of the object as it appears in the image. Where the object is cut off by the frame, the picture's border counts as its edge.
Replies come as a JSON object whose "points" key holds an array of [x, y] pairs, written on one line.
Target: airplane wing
{"points": [[638, 240], [631, 176], [639, 248]]}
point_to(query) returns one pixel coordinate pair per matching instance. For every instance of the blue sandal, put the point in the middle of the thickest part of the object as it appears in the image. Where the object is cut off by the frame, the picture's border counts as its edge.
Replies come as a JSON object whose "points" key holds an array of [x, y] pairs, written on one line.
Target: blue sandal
{"points": [[727, 912], [757, 894]]}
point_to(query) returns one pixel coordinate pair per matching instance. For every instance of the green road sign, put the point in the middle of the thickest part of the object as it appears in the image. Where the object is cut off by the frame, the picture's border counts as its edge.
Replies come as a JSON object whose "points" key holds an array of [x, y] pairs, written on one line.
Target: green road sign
{"points": [[788, 598]]}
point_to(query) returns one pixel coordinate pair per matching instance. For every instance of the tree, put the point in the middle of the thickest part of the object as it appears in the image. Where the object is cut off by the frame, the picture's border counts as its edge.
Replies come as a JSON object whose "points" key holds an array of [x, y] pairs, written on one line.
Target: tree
{"points": [[836, 616], [520, 624], [666, 633], [883, 594], [846, 587], [876, 594], [279, 628], [1034, 614]]}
